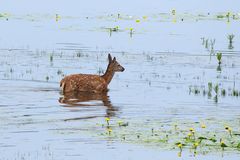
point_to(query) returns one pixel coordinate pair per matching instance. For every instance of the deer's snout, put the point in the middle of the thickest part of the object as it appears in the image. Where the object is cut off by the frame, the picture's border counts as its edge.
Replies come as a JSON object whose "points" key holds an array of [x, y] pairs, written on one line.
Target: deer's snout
{"points": [[123, 69]]}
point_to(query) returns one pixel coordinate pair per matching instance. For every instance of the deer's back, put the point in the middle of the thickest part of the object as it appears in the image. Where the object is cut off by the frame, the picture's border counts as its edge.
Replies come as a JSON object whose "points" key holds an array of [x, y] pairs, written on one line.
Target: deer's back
{"points": [[83, 83]]}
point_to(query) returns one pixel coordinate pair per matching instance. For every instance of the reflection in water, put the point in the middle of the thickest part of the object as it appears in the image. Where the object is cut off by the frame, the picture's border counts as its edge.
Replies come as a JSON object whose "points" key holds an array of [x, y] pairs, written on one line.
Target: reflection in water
{"points": [[78, 99], [219, 68], [230, 46]]}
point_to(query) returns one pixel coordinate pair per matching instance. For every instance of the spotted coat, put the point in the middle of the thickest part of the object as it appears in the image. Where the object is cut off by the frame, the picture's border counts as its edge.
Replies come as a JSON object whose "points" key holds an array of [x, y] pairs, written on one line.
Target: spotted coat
{"points": [[84, 83]]}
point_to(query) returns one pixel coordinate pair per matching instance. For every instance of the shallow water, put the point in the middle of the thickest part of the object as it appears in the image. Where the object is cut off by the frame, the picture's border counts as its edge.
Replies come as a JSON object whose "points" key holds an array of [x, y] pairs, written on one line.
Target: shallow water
{"points": [[164, 59]]}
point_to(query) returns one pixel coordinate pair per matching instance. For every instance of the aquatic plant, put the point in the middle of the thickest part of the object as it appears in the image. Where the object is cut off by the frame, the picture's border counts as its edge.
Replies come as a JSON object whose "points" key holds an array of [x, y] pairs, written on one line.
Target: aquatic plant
{"points": [[219, 68], [112, 30], [57, 17], [229, 130], [210, 86], [220, 16], [79, 54], [223, 92], [11, 70], [173, 138], [216, 88], [235, 93], [191, 130], [107, 119], [189, 135], [215, 99], [115, 29], [206, 43], [219, 57], [4, 15], [180, 146], [144, 17], [100, 71], [131, 32], [137, 20], [109, 130], [124, 124], [204, 92], [203, 40], [203, 125], [212, 43], [51, 57], [152, 131], [179, 154], [228, 16], [120, 123], [196, 90], [195, 145], [59, 72], [222, 144], [230, 38]]}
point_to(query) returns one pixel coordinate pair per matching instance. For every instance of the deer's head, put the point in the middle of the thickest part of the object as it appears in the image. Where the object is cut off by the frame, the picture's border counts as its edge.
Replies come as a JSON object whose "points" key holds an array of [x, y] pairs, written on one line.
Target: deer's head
{"points": [[114, 65]]}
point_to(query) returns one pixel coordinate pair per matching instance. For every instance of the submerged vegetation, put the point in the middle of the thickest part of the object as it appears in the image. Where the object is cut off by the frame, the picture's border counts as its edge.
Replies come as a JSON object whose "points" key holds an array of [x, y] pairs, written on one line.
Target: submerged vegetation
{"points": [[230, 38], [172, 16], [196, 136], [219, 58], [214, 90]]}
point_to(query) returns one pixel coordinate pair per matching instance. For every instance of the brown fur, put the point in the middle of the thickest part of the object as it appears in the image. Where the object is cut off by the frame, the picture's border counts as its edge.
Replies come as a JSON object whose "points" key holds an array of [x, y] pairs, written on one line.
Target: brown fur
{"points": [[91, 83]]}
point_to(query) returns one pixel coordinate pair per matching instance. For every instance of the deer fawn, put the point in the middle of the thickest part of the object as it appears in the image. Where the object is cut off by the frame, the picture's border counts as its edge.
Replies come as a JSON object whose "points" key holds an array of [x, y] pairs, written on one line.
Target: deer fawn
{"points": [[89, 82]]}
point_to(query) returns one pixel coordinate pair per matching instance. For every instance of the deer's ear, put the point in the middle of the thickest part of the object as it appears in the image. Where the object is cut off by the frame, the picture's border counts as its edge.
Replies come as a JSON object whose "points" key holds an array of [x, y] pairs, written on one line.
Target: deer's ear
{"points": [[109, 58], [114, 59]]}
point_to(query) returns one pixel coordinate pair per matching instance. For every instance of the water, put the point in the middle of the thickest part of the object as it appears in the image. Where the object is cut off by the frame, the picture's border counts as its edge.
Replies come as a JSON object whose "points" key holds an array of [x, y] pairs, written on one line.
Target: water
{"points": [[165, 58]]}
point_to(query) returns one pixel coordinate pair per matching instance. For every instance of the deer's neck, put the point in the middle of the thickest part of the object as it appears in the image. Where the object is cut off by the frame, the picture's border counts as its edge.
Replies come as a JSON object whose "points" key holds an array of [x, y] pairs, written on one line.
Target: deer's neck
{"points": [[108, 75]]}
